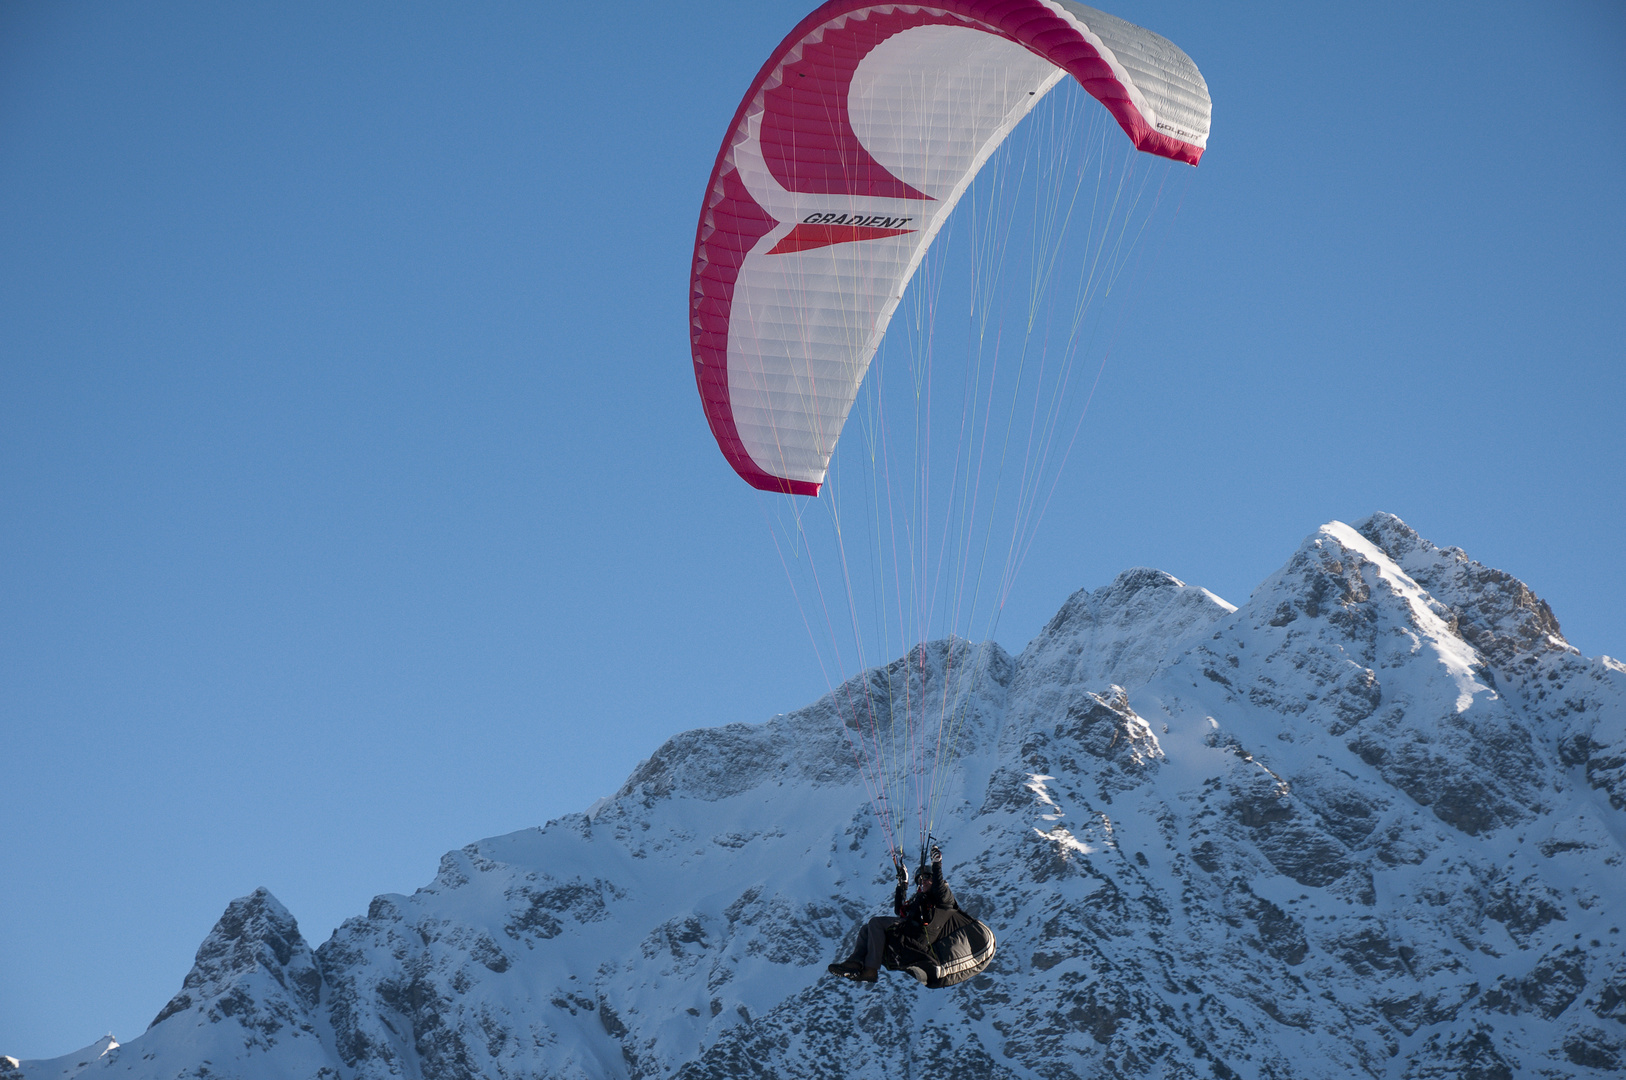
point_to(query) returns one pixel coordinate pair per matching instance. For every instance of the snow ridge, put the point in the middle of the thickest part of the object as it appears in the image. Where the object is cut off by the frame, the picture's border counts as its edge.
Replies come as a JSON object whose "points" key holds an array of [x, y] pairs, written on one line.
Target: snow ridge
{"points": [[1367, 824]]}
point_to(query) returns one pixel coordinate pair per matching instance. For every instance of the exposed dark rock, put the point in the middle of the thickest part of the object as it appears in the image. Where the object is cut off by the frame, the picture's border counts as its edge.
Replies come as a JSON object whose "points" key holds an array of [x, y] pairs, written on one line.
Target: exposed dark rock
{"points": [[1411, 1014], [1282, 935], [1369, 951], [1470, 1055], [1593, 1049], [1552, 985], [1524, 907]]}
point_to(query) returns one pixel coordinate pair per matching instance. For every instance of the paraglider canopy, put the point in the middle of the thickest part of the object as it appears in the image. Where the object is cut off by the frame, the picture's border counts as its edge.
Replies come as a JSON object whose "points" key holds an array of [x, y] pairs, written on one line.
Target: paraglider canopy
{"points": [[843, 161]]}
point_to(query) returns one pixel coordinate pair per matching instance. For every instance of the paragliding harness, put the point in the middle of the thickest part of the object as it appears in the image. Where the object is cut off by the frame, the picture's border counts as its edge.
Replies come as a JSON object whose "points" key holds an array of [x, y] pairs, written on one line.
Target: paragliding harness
{"points": [[963, 945]]}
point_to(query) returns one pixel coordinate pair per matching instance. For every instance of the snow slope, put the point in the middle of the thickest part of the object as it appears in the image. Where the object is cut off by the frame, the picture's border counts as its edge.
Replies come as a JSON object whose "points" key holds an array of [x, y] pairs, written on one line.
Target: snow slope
{"points": [[1371, 823]]}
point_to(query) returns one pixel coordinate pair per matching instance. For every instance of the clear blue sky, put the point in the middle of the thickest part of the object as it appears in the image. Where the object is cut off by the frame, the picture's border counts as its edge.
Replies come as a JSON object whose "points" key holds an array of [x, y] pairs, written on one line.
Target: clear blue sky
{"points": [[355, 498]]}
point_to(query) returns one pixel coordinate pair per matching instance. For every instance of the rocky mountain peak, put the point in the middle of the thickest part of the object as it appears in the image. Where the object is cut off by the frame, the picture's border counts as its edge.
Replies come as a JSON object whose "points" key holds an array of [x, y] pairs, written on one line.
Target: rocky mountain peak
{"points": [[1121, 633], [1368, 824], [256, 939], [1140, 610], [256, 936], [1492, 610], [254, 987]]}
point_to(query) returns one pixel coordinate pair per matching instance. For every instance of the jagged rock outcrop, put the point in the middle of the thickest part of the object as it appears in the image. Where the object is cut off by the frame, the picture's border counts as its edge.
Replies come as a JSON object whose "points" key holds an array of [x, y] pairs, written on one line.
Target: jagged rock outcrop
{"points": [[255, 940], [1370, 823], [1517, 635]]}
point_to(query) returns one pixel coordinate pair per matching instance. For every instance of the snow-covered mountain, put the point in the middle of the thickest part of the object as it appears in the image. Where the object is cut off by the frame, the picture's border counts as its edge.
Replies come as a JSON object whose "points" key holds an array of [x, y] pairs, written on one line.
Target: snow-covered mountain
{"points": [[1369, 824]]}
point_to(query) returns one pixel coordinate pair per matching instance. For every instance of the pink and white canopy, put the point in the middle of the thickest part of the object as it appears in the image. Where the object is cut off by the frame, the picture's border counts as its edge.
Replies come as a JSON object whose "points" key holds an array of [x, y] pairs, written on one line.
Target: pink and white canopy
{"points": [[844, 159]]}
